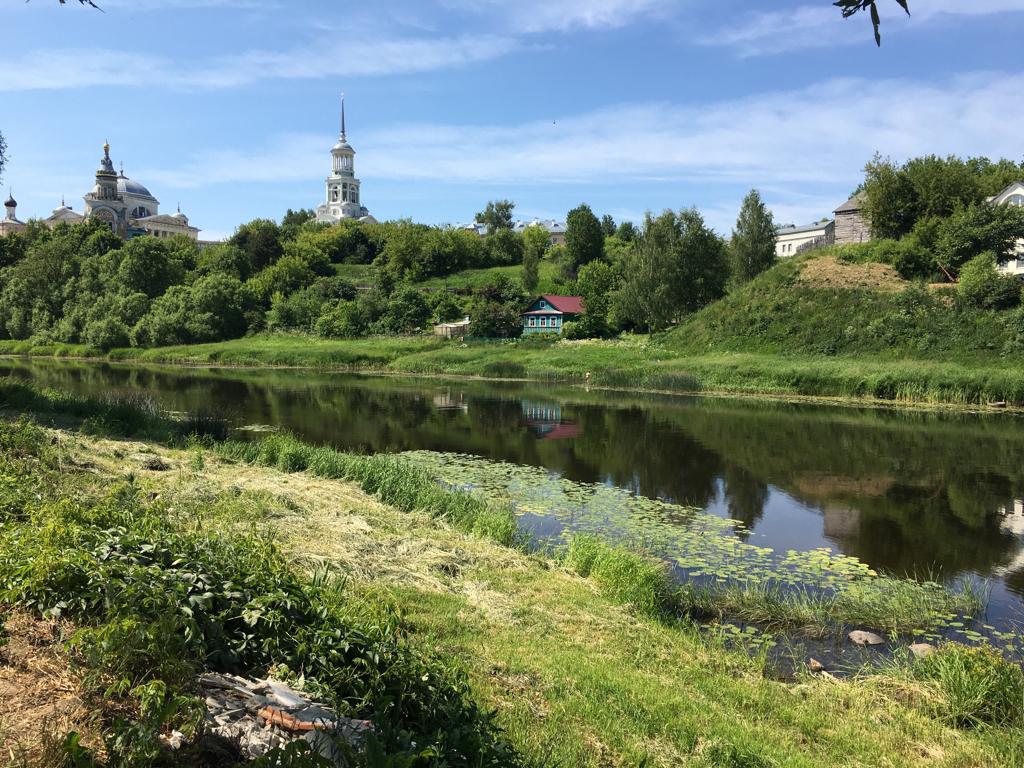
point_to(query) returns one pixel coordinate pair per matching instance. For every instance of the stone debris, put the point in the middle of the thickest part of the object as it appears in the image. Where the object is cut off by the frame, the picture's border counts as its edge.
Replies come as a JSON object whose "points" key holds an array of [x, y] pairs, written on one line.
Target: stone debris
{"points": [[260, 715], [922, 650], [860, 637]]}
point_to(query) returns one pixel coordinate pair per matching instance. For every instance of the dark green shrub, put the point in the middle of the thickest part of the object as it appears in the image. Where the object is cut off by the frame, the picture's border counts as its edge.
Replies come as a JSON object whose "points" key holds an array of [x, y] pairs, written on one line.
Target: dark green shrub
{"points": [[981, 284]]}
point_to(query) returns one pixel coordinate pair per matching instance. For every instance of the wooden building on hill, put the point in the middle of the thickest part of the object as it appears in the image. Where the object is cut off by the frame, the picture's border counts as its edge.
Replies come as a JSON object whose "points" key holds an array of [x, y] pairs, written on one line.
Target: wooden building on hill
{"points": [[852, 224]]}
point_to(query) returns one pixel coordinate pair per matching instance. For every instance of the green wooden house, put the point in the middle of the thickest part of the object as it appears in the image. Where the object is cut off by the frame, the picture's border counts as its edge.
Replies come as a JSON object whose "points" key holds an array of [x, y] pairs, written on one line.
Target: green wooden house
{"points": [[548, 314]]}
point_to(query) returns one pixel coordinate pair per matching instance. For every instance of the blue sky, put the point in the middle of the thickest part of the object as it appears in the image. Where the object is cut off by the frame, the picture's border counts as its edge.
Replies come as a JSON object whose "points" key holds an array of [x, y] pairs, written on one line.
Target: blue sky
{"points": [[230, 106]]}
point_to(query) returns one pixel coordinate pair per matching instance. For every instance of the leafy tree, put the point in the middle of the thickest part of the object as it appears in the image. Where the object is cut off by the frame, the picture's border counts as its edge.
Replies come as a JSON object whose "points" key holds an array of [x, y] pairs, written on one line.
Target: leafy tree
{"points": [[260, 240], [627, 232], [607, 225], [497, 215], [679, 266], [504, 248], [752, 248], [596, 283], [645, 298], [151, 266], [496, 310], [977, 229], [407, 310], [445, 307], [402, 255], [346, 319], [898, 196], [225, 259], [449, 250], [890, 201], [293, 222], [289, 274], [584, 240], [536, 240]]}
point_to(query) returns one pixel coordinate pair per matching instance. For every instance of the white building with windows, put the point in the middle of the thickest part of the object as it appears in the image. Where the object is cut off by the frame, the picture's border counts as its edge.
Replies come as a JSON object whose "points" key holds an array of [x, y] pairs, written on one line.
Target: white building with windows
{"points": [[343, 195], [789, 241], [1012, 195]]}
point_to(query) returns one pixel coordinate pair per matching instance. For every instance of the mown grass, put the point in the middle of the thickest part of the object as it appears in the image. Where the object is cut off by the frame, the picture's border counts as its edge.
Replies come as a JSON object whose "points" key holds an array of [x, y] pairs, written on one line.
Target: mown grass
{"points": [[391, 479]]}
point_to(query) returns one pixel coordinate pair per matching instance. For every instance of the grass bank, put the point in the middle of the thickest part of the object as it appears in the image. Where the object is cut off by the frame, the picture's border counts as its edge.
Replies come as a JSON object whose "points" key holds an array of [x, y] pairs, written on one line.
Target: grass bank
{"points": [[576, 671], [631, 364]]}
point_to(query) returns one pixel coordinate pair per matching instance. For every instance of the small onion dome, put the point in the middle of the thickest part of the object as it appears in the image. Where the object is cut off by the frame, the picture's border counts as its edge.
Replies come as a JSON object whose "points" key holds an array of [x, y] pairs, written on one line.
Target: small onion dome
{"points": [[10, 202], [181, 216]]}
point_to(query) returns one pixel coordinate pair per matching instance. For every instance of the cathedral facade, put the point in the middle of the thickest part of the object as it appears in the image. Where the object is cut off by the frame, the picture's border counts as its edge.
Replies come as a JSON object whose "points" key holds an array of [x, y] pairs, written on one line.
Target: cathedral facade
{"points": [[125, 205], [343, 194]]}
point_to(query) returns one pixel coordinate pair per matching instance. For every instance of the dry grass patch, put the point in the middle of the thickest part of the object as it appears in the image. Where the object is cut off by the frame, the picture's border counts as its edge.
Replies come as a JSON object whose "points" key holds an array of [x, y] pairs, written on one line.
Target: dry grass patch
{"points": [[829, 273], [40, 698]]}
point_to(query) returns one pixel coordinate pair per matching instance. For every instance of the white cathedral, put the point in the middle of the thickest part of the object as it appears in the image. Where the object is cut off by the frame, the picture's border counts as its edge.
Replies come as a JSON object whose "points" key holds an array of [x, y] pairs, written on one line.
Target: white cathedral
{"points": [[124, 204], [342, 185]]}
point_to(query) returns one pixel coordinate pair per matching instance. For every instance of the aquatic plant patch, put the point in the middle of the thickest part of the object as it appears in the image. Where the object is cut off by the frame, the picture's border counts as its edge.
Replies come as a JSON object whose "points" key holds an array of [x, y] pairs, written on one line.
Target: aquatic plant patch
{"points": [[707, 552]]}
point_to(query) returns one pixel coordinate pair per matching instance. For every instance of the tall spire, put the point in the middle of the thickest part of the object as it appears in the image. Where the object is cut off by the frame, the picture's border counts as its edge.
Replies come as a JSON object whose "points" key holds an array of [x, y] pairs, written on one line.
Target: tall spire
{"points": [[343, 115]]}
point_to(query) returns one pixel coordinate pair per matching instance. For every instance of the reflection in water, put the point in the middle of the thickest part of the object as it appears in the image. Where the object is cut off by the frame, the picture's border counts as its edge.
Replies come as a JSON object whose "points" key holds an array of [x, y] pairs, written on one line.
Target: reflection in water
{"points": [[907, 492]]}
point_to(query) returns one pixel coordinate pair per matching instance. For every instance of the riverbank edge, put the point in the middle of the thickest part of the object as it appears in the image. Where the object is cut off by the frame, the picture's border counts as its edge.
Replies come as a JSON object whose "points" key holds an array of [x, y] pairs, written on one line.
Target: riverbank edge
{"points": [[859, 382], [431, 614]]}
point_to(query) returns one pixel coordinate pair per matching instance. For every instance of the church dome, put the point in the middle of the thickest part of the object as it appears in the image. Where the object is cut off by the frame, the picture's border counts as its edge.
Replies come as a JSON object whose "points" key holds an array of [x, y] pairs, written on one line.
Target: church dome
{"points": [[11, 202], [126, 186], [343, 146]]}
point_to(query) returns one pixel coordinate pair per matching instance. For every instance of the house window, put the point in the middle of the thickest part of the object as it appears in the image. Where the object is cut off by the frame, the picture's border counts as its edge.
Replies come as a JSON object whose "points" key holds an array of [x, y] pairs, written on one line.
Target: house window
{"points": [[1017, 200], [543, 322], [533, 322], [543, 305]]}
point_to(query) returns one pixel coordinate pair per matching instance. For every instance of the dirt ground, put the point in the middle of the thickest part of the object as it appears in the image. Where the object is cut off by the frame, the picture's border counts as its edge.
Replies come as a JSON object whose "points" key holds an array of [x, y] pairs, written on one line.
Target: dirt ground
{"points": [[40, 698], [828, 272]]}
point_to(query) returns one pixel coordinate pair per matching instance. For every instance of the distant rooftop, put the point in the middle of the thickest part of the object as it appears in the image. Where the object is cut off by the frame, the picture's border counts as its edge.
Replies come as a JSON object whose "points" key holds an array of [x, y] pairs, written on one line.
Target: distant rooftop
{"points": [[804, 228]]}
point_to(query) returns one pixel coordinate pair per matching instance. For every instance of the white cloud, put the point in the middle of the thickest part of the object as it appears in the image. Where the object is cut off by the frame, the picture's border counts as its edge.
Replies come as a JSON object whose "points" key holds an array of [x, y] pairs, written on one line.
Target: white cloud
{"points": [[564, 15], [817, 26], [62, 69], [804, 149]]}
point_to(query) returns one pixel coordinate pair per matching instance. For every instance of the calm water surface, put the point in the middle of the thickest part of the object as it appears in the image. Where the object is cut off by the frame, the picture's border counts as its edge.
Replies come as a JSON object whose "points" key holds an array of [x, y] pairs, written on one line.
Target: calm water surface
{"points": [[907, 492]]}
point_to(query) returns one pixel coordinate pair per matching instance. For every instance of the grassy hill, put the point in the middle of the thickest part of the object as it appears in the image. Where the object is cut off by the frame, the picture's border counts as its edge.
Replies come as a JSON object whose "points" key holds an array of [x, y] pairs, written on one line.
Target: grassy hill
{"points": [[819, 305]]}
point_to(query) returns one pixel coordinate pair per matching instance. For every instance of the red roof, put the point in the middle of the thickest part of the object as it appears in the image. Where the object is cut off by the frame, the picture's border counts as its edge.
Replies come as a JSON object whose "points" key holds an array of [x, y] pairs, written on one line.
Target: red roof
{"points": [[572, 305]]}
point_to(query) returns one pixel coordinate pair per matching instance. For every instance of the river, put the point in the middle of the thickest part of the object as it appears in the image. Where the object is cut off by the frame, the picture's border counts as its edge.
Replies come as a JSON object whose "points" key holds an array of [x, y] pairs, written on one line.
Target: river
{"points": [[908, 492]]}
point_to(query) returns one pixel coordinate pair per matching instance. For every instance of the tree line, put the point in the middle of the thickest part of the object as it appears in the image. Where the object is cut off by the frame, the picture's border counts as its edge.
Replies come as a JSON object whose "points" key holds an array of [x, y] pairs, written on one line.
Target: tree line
{"points": [[82, 284]]}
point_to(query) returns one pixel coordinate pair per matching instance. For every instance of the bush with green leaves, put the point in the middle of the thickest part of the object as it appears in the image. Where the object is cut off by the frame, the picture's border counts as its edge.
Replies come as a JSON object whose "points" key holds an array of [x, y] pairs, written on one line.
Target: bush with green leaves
{"points": [[982, 285]]}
